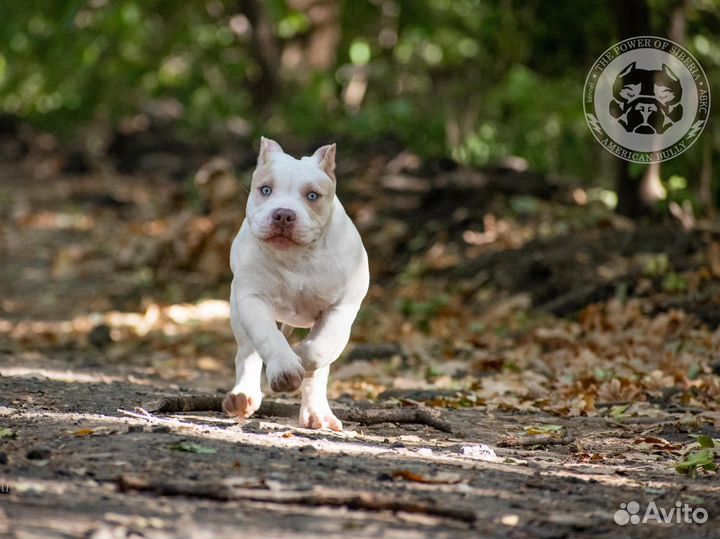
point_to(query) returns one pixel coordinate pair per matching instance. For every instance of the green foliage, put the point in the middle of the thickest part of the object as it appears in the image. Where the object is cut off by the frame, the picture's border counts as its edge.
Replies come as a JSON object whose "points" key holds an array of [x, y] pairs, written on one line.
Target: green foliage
{"points": [[473, 80], [657, 265], [618, 411], [68, 63], [674, 283], [702, 458], [188, 447], [422, 312], [7, 433]]}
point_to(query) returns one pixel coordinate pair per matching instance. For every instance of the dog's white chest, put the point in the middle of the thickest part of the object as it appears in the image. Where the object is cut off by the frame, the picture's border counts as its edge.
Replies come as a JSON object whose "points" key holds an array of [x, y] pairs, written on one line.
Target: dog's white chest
{"points": [[300, 304]]}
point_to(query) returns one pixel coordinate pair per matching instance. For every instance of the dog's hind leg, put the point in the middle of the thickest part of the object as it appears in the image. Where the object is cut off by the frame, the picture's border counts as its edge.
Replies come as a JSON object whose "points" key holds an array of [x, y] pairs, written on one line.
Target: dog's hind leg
{"points": [[315, 411]]}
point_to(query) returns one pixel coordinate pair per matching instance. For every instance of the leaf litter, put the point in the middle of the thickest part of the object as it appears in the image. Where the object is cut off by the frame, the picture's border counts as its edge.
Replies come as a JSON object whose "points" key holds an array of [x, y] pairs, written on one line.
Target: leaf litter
{"points": [[154, 311]]}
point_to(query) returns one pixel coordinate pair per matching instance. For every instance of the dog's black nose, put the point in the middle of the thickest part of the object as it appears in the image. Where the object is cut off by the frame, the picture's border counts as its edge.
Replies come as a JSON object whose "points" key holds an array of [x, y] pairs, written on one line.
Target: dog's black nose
{"points": [[283, 216], [646, 108]]}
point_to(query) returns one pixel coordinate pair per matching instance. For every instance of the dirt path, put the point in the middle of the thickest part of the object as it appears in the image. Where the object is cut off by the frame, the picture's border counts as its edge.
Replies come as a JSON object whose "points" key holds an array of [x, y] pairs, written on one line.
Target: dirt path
{"points": [[72, 447], [75, 465]]}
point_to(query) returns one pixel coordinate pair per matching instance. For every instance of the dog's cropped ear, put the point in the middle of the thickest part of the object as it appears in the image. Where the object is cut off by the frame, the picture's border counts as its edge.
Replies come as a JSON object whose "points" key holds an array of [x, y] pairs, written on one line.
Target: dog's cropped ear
{"points": [[627, 70], [268, 147], [668, 72], [325, 159]]}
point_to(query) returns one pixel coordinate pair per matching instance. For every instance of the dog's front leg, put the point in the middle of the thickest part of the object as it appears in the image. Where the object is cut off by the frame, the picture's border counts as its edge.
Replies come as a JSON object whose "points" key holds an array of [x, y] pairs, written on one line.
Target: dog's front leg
{"points": [[283, 368], [246, 395]]}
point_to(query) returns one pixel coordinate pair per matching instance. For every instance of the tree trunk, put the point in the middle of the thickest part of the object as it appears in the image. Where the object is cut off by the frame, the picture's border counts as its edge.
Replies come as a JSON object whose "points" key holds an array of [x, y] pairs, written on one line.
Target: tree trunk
{"points": [[706, 174], [322, 42], [265, 50], [651, 188], [632, 19]]}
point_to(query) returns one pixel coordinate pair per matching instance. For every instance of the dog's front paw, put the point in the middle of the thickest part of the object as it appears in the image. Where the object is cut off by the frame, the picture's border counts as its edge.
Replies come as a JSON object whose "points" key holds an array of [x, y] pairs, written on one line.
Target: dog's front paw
{"points": [[319, 417], [241, 404], [285, 375]]}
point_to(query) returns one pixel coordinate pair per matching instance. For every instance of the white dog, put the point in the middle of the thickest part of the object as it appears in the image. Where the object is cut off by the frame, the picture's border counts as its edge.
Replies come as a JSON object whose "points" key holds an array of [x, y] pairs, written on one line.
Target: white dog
{"points": [[297, 260]]}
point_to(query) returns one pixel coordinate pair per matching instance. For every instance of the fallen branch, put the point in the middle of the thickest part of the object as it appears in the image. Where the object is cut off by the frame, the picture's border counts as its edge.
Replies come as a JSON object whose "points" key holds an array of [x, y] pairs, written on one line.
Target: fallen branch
{"points": [[417, 415], [535, 440], [221, 491], [270, 408], [611, 404], [191, 403]]}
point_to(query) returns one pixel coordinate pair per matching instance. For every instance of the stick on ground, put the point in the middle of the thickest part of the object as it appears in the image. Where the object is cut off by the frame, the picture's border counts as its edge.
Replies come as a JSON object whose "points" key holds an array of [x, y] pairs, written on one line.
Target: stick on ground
{"points": [[535, 440], [366, 501], [270, 408]]}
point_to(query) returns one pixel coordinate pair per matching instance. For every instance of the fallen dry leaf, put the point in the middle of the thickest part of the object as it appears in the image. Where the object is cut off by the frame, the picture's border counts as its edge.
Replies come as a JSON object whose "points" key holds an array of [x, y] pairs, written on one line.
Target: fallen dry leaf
{"points": [[83, 432], [439, 478]]}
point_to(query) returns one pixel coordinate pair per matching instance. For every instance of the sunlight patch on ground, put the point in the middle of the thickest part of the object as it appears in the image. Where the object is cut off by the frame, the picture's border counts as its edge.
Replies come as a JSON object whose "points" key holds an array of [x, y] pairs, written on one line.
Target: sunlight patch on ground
{"points": [[58, 221], [68, 376], [57, 375], [168, 319]]}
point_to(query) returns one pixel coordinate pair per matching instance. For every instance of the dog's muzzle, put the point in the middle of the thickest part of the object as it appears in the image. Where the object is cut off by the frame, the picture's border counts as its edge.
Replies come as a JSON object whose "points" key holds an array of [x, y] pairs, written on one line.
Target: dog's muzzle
{"points": [[645, 115], [282, 229]]}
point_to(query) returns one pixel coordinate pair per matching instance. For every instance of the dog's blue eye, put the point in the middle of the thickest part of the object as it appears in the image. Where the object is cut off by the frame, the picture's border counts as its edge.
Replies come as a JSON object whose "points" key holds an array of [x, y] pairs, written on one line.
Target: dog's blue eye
{"points": [[312, 195], [266, 190]]}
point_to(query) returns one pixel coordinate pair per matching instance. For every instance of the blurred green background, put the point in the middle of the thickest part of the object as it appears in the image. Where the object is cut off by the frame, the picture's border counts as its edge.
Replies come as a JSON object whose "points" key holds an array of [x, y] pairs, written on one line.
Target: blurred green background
{"points": [[468, 80]]}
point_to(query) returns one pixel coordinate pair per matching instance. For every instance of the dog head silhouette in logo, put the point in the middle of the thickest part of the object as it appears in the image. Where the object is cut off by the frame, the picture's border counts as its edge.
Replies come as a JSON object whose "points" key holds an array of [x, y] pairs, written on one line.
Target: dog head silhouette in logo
{"points": [[646, 101]]}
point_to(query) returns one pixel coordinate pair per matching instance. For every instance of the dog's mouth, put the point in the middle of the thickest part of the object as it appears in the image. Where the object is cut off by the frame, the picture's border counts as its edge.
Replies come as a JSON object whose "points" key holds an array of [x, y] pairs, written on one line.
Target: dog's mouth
{"points": [[282, 240], [282, 237]]}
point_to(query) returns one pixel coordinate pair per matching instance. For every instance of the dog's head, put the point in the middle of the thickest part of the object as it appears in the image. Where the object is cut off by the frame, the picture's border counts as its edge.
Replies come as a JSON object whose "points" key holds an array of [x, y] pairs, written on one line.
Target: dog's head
{"points": [[291, 200], [646, 101]]}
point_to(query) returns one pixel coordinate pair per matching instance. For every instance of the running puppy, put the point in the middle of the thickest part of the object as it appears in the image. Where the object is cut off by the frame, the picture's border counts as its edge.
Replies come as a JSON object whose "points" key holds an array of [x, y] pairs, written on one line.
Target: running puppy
{"points": [[297, 260]]}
